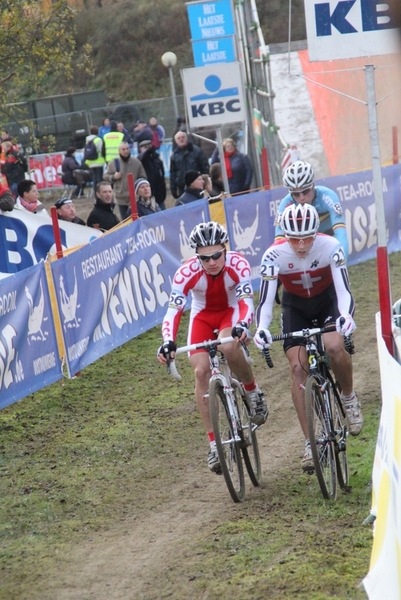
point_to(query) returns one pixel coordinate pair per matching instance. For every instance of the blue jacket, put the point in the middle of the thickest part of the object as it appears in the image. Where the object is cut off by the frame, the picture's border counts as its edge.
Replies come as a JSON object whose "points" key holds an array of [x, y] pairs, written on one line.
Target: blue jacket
{"points": [[330, 212], [242, 171]]}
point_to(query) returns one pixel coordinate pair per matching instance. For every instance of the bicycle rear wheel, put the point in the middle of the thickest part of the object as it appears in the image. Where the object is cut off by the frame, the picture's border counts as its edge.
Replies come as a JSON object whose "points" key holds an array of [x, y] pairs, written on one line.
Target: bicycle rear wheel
{"points": [[228, 448], [321, 445], [340, 432], [249, 445]]}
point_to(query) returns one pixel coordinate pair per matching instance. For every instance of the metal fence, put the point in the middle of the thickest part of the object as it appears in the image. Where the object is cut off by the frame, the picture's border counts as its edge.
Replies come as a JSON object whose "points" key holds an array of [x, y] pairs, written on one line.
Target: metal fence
{"points": [[57, 132]]}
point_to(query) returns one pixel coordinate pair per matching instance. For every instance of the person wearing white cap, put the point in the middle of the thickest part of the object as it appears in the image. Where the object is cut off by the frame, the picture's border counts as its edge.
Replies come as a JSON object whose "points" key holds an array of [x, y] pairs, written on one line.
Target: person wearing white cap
{"points": [[146, 203]]}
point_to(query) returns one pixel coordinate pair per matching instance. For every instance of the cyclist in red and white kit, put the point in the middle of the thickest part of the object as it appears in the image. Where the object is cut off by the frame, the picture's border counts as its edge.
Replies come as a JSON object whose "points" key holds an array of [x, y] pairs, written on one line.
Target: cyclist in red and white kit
{"points": [[312, 268], [222, 300]]}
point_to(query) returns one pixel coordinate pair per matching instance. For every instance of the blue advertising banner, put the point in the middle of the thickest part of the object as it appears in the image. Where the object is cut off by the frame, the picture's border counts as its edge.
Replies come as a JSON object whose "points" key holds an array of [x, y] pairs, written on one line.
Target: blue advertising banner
{"points": [[210, 19], [118, 286], [29, 357], [207, 52], [250, 217]]}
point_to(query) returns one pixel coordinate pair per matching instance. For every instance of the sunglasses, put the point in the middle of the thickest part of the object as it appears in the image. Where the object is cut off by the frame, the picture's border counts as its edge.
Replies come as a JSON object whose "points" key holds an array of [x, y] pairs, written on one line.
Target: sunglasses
{"points": [[303, 193], [304, 240], [214, 256]]}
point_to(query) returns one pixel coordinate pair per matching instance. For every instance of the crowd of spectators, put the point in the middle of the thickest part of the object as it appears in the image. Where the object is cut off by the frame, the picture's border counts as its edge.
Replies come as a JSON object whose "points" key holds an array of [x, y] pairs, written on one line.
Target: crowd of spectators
{"points": [[195, 171]]}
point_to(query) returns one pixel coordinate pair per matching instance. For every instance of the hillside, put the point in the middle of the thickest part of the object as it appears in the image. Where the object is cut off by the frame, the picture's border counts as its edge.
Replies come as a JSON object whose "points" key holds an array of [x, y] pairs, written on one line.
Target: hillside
{"points": [[128, 39]]}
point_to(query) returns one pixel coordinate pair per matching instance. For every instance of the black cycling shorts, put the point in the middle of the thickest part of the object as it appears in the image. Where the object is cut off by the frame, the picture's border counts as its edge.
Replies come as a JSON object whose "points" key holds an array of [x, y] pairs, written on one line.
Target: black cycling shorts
{"points": [[300, 313]]}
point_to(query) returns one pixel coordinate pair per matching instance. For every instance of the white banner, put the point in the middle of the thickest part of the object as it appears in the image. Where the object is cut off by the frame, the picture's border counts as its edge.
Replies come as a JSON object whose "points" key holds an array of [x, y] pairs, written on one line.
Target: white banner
{"points": [[384, 577], [26, 238], [349, 29]]}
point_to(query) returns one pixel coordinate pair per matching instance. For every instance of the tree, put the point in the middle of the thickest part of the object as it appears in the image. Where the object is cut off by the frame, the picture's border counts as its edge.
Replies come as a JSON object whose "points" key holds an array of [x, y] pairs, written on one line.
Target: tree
{"points": [[36, 43]]}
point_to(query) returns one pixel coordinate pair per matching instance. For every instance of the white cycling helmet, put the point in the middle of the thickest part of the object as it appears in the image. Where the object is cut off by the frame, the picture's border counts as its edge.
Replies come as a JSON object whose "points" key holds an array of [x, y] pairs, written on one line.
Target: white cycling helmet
{"points": [[208, 234], [300, 220], [299, 176]]}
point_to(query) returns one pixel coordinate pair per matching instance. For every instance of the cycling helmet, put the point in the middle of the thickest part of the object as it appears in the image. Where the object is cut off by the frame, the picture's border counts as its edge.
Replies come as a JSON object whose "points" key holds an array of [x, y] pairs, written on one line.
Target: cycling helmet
{"points": [[208, 234], [300, 220], [298, 176]]}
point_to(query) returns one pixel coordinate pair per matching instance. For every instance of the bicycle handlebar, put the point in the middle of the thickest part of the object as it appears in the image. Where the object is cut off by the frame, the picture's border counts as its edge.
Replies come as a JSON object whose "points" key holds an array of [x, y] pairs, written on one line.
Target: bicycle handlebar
{"points": [[304, 333], [206, 345]]}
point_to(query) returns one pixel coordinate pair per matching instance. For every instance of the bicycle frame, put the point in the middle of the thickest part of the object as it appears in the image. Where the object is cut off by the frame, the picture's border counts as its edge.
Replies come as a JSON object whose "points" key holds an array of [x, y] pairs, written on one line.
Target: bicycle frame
{"points": [[233, 428], [221, 371]]}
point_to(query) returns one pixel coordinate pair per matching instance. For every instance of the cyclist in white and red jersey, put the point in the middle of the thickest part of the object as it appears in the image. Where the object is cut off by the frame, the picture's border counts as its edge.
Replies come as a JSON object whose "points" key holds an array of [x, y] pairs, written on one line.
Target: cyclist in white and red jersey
{"points": [[222, 300], [312, 268], [299, 179]]}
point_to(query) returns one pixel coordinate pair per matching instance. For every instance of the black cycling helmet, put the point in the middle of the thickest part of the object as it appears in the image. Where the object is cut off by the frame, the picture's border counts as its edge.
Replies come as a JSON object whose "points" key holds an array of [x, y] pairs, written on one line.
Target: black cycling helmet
{"points": [[208, 234]]}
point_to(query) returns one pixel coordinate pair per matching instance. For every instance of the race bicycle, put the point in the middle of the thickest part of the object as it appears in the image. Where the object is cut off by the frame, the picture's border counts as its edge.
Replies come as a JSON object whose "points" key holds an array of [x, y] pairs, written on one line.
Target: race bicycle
{"points": [[325, 414], [234, 432]]}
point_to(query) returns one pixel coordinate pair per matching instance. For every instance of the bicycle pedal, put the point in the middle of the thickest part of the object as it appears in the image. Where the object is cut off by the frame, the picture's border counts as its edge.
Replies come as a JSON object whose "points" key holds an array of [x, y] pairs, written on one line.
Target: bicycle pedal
{"points": [[309, 470]]}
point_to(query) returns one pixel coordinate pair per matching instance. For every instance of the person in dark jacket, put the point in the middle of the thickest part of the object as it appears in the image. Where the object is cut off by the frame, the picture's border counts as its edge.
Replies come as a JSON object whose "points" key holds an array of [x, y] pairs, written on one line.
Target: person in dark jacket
{"points": [[194, 188], [15, 165], [66, 211], [185, 157], [238, 166], [102, 215], [68, 166], [154, 168], [146, 203], [217, 180]]}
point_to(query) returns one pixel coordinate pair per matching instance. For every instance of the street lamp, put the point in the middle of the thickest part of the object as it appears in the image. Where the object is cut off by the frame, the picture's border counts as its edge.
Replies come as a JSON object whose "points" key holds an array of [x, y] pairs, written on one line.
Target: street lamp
{"points": [[169, 60]]}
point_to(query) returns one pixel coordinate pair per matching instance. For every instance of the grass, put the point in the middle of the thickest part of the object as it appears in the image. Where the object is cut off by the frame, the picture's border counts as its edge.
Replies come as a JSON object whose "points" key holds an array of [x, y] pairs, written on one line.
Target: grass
{"points": [[80, 456]]}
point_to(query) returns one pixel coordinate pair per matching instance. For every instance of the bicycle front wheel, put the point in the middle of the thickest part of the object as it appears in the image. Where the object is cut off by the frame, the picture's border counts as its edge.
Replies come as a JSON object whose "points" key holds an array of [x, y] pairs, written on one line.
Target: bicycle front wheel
{"points": [[249, 445], [322, 446], [228, 448], [340, 432]]}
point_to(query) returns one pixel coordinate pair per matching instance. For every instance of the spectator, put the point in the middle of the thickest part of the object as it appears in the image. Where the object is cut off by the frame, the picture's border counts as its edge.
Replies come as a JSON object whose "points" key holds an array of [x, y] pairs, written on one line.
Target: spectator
{"points": [[14, 166], [104, 127], [127, 137], [145, 203], [96, 165], [72, 173], [154, 125], [142, 131], [6, 199], [207, 186], [28, 197], [102, 215], [181, 125], [238, 167], [185, 157], [154, 168], [194, 188], [112, 141], [217, 180], [66, 211], [117, 173]]}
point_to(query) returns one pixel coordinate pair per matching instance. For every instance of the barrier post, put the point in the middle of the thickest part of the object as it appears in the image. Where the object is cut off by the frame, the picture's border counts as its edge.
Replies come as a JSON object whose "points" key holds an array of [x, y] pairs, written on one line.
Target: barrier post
{"points": [[132, 197], [265, 169], [56, 232], [381, 252], [395, 145]]}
